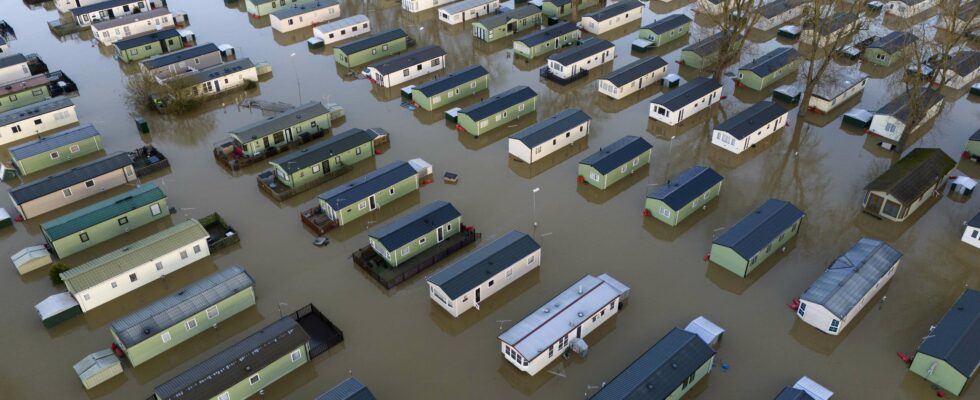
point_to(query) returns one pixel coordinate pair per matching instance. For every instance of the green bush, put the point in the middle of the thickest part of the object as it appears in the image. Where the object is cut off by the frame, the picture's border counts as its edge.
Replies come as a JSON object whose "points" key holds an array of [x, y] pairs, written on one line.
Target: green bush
{"points": [[55, 272]]}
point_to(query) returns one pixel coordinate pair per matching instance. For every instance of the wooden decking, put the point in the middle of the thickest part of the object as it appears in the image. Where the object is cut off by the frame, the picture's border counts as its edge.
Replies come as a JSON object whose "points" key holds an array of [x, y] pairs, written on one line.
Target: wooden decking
{"points": [[228, 154], [389, 276], [317, 220], [147, 160], [270, 184]]}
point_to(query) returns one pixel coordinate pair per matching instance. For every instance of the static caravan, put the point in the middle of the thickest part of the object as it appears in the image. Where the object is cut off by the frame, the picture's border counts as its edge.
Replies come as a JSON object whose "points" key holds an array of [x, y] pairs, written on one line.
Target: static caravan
{"points": [[963, 69], [320, 161], [612, 17], [805, 389], [114, 30], [148, 45], [848, 284], [575, 62], [349, 389], [248, 367], [27, 91], [561, 8], [905, 114], [36, 119], [830, 32], [973, 145], [467, 10], [220, 78], [407, 66], [684, 194], [758, 235], [343, 29], [665, 30], [681, 103], [750, 126], [354, 199], [175, 319], [415, 232], [889, 49], [14, 67], [497, 110], [182, 61], [633, 77], [457, 85], [615, 161], [543, 138], [547, 40], [371, 48], [66, 187], [562, 323], [65, 6], [261, 8], [702, 53], [836, 88], [110, 276], [507, 23], [668, 370], [908, 8], [776, 13], [277, 131], [421, 5], [105, 220], [948, 355], [59, 148], [715, 7], [466, 282], [964, 19], [304, 15], [903, 188], [769, 68], [109, 9], [971, 235]]}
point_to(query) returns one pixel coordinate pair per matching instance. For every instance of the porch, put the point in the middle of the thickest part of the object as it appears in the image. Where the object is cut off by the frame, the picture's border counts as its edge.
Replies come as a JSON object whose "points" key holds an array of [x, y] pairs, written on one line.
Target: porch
{"points": [[147, 160], [317, 220], [270, 183], [389, 277], [230, 153], [544, 72], [323, 334]]}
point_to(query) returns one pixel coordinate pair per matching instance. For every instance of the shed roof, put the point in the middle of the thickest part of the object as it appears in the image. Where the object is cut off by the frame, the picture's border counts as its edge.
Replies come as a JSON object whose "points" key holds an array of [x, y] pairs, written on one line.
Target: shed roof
{"points": [[771, 61], [660, 370], [76, 175], [12, 59], [914, 174], [505, 17], [555, 125], [667, 23], [278, 122], [217, 71], [956, 339], [235, 363], [131, 18], [965, 62], [95, 364], [159, 316], [687, 93], [102, 211], [752, 119], [683, 188], [614, 10], [415, 224], [756, 230], [147, 38], [634, 70], [705, 329], [360, 188], [464, 5], [323, 150], [349, 389], [586, 49], [408, 59], [546, 34], [126, 258], [791, 393], [45, 144], [851, 276], [778, 7], [533, 335], [102, 5], [174, 57], [305, 8], [893, 41], [372, 41], [902, 107], [34, 110], [617, 153], [498, 102], [452, 80], [475, 268]]}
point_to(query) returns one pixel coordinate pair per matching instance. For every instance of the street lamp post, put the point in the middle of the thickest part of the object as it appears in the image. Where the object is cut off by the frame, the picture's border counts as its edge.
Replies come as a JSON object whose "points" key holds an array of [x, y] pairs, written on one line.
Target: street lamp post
{"points": [[299, 90], [534, 203]]}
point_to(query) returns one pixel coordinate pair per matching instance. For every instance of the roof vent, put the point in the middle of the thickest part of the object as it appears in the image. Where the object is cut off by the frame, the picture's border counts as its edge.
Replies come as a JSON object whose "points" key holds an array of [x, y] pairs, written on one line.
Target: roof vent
{"points": [[146, 331], [547, 310], [579, 289], [673, 365], [581, 314]]}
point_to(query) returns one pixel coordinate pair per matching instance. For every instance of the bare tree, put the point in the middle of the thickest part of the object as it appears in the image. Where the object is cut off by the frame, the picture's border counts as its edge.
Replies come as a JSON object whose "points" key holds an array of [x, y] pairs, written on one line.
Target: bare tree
{"points": [[831, 24], [733, 20]]}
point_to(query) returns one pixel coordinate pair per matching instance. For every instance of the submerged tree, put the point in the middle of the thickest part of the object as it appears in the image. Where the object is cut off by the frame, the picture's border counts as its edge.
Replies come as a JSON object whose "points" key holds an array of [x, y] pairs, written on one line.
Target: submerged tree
{"points": [[734, 21], [169, 96], [828, 26]]}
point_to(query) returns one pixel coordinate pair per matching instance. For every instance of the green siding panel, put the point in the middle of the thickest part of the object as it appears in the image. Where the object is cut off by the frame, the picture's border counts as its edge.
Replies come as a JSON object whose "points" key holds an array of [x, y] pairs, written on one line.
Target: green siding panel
{"points": [[728, 259], [943, 375], [368, 55], [383, 197], [452, 95], [414, 248], [476, 128], [308, 175], [40, 162], [678, 216], [666, 37]]}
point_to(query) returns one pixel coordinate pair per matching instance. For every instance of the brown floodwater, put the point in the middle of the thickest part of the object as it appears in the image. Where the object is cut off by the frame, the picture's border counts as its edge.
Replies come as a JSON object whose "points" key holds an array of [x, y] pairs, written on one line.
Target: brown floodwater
{"points": [[405, 347]]}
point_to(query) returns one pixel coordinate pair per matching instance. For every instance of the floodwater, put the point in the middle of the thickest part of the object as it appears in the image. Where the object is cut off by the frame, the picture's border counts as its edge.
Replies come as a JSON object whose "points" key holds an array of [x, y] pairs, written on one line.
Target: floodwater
{"points": [[401, 344]]}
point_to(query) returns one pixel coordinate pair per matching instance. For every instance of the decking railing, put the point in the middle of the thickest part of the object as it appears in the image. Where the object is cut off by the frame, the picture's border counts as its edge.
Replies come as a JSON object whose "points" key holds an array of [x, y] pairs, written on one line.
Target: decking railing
{"points": [[389, 276], [270, 184], [323, 334]]}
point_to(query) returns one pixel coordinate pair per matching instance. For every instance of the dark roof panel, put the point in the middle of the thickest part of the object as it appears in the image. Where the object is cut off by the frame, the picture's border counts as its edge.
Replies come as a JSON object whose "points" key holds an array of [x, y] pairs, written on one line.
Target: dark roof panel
{"points": [[756, 230], [371, 41], [614, 10], [893, 41], [687, 93], [505, 17], [472, 270], [686, 186], [321, 151], [956, 339], [33, 110], [61, 180], [349, 389], [965, 62], [793, 394], [360, 188], [751, 119], [452, 80], [778, 7], [413, 225], [619, 152], [634, 70], [901, 107], [174, 57], [914, 174], [408, 59], [772, 61], [584, 50], [147, 38], [851, 276], [546, 34], [102, 5], [102, 211], [555, 125], [499, 102], [12, 59], [668, 23], [47, 143]]}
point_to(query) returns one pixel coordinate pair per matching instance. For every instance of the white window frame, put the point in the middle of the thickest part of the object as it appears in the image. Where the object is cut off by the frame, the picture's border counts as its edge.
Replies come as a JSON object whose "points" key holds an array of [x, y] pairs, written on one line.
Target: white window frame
{"points": [[212, 312], [165, 337], [252, 380], [190, 324], [295, 355]]}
